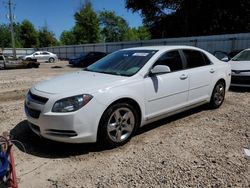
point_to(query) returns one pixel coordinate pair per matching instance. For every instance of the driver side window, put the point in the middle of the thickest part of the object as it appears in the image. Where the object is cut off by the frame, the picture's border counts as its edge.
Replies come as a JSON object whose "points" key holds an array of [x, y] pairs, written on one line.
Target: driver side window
{"points": [[172, 59]]}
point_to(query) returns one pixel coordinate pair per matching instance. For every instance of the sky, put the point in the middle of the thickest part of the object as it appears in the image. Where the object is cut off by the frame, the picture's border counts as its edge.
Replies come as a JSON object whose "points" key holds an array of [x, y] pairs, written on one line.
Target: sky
{"points": [[59, 14]]}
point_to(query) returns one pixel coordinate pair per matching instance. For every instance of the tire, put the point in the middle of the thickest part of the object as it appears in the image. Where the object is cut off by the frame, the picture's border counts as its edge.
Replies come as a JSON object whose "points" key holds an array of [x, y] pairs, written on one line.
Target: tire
{"points": [[35, 65], [30, 65], [118, 124], [218, 95], [51, 60]]}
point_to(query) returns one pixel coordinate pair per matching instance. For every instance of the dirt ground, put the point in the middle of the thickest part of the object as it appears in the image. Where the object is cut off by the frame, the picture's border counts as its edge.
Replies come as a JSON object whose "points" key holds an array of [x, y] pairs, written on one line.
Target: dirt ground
{"points": [[198, 148]]}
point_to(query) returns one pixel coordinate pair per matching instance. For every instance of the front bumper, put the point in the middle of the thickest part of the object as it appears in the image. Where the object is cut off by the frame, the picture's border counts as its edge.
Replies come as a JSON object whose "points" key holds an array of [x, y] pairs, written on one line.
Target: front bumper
{"points": [[240, 81], [74, 127]]}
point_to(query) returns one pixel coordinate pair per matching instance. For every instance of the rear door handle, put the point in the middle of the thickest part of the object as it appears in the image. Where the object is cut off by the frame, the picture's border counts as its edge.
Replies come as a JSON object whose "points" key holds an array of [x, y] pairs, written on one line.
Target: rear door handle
{"points": [[183, 76], [212, 71]]}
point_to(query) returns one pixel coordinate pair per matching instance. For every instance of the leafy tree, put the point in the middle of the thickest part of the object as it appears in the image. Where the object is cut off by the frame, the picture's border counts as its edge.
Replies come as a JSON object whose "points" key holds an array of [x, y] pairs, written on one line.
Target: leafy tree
{"points": [[46, 37], [5, 38], [134, 34], [28, 35], [143, 33], [17, 32], [68, 38], [171, 18], [86, 29], [113, 27]]}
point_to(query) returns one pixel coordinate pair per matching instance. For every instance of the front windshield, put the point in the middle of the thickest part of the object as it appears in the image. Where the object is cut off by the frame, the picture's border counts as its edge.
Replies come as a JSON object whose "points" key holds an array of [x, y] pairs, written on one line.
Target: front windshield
{"points": [[124, 62], [242, 56]]}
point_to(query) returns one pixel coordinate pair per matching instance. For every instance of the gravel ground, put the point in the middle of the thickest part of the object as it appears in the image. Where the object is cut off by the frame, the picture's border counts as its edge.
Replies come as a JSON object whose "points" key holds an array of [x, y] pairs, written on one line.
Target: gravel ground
{"points": [[197, 148]]}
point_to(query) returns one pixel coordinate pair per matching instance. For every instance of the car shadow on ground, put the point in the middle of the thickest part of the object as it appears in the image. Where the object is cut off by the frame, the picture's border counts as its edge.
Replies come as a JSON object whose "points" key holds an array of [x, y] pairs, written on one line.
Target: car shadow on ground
{"points": [[34, 145], [239, 89], [172, 118], [38, 146]]}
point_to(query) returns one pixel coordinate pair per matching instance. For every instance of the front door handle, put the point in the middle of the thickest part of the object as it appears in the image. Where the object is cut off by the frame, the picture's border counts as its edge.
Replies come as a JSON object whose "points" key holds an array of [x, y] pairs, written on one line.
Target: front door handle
{"points": [[212, 71], [183, 76]]}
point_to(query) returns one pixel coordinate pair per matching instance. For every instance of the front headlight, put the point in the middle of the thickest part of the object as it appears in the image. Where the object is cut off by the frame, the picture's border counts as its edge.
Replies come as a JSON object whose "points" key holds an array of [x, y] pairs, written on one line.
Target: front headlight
{"points": [[71, 104]]}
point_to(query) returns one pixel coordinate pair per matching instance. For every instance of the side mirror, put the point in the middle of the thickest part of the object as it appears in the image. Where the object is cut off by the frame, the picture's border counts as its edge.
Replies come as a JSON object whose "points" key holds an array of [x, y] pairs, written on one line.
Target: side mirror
{"points": [[226, 59], [160, 69]]}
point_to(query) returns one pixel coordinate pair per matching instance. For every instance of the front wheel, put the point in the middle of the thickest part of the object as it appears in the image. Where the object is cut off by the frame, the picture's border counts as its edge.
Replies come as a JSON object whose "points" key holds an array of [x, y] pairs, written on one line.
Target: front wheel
{"points": [[218, 95], [118, 124]]}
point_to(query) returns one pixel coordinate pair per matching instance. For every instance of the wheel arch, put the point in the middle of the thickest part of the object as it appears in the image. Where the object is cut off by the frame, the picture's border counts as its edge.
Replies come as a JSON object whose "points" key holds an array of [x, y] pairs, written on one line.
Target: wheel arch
{"points": [[128, 100]]}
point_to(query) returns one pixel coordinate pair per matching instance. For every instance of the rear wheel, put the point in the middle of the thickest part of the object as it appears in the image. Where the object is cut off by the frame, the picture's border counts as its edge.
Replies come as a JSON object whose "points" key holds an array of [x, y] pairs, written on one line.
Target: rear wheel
{"points": [[118, 124], [218, 95], [51, 60]]}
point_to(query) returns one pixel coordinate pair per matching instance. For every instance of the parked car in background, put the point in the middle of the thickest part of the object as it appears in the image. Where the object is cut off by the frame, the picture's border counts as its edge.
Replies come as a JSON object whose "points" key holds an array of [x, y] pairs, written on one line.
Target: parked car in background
{"points": [[86, 59], [110, 99], [224, 56], [17, 64], [240, 65], [41, 56]]}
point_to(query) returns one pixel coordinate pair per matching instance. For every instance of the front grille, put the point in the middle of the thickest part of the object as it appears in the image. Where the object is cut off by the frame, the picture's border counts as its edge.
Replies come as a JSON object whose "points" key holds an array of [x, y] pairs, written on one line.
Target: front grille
{"points": [[240, 80], [36, 98], [31, 112], [61, 133]]}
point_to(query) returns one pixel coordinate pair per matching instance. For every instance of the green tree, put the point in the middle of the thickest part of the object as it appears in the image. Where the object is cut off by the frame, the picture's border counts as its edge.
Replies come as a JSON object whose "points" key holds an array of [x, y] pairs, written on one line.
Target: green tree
{"points": [[28, 35], [86, 29], [46, 37], [172, 18], [134, 34], [5, 38], [113, 27], [67, 38]]}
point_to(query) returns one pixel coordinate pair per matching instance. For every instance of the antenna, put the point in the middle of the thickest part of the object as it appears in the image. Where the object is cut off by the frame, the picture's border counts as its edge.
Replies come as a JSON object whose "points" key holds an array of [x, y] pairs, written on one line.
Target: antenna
{"points": [[11, 18]]}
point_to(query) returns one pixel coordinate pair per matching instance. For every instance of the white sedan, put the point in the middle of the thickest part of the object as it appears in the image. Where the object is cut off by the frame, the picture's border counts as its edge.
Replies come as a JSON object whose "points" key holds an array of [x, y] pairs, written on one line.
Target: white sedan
{"points": [[240, 65], [41, 56], [109, 100]]}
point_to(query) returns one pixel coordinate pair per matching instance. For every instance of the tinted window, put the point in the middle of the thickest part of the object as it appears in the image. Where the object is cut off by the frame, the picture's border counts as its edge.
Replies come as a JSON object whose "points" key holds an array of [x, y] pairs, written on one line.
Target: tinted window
{"points": [[1, 58], [206, 59], [172, 59], [45, 53], [194, 58]]}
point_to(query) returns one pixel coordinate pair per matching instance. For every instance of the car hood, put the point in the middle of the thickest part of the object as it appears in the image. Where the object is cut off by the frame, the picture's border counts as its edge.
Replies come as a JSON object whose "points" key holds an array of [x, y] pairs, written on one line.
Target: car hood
{"points": [[240, 65], [81, 81]]}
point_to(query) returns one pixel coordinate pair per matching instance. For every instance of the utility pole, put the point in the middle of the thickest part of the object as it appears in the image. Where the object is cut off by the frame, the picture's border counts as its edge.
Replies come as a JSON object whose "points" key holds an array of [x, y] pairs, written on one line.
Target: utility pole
{"points": [[10, 4]]}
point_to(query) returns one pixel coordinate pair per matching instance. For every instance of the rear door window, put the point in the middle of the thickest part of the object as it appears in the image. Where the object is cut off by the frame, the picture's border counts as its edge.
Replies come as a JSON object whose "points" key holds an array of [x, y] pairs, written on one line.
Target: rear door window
{"points": [[195, 58]]}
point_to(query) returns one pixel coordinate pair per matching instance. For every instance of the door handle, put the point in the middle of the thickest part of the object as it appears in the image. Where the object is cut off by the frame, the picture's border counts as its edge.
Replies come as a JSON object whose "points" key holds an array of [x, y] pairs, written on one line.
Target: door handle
{"points": [[212, 71], [183, 76]]}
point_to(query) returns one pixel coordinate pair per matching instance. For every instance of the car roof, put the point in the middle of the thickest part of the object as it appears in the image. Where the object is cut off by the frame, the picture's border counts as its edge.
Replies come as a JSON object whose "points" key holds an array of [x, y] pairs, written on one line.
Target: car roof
{"points": [[169, 47]]}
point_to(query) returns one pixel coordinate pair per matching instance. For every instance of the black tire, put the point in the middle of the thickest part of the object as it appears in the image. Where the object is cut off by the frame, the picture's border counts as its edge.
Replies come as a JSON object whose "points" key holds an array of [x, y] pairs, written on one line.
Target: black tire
{"points": [[30, 65], [51, 60], [35, 65], [218, 95], [28, 59], [106, 137]]}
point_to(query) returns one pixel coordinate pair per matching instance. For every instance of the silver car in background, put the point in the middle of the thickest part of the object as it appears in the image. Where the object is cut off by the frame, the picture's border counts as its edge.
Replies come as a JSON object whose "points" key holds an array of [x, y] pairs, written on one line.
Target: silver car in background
{"points": [[41, 56], [240, 65]]}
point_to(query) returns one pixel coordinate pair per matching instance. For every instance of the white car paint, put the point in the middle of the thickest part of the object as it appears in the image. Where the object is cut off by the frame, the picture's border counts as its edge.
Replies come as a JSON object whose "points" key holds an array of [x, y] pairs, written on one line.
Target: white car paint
{"points": [[41, 56], [157, 97], [241, 70]]}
